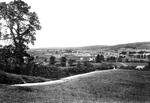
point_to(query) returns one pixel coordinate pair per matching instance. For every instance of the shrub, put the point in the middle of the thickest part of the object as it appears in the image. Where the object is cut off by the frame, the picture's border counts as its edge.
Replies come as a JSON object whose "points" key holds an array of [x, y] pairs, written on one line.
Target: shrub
{"points": [[105, 66], [52, 60], [10, 61], [63, 61], [71, 62], [33, 69], [74, 70], [89, 67], [47, 72], [127, 67], [8, 58], [28, 69], [99, 58], [81, 68]]}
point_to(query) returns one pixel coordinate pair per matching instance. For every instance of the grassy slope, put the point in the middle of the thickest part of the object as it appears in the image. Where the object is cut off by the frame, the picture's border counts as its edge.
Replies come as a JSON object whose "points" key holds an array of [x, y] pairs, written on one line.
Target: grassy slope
{"points": [[136, 64], [108, 86], [136, 45], [129, 64], [9, 78]]}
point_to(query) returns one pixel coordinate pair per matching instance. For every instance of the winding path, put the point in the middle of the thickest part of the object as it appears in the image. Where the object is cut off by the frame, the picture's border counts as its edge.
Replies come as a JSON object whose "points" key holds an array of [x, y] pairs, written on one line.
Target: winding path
{"points": [[61, 80], [123, 64]]}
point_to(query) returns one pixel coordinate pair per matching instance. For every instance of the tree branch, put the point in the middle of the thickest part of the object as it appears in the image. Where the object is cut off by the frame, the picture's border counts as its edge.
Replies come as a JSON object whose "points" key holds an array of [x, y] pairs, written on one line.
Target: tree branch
{"points": [[11, 30], [26, 31]]}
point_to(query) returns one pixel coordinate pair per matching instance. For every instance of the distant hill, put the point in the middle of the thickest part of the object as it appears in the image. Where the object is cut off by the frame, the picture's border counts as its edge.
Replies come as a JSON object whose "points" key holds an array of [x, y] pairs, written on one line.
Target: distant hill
{"points": [[95, 47], [137, 45]]}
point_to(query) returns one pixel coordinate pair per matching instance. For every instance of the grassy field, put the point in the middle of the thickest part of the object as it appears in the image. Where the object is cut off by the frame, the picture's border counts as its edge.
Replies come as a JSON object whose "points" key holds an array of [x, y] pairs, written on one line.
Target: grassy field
{"points": [[9, 78], [129, 64], [136, 64], [106, 86], [119, 64]]}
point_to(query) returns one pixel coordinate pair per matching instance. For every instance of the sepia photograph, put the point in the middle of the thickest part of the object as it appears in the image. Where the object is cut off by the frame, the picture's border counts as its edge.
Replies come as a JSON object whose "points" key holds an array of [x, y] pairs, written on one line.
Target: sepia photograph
{"points": [[74, 51]]}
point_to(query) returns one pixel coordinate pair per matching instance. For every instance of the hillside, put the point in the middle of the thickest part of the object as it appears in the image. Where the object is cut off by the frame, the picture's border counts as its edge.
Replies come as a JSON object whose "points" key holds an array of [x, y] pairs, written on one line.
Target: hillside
{"points": [[95, 47], [9, 78], [137, 45], [108, 86]]}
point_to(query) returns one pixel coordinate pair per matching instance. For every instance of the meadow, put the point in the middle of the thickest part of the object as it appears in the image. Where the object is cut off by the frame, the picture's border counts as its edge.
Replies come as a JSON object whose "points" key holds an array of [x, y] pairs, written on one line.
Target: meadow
{"points": [[125, 86], [136, 64]]}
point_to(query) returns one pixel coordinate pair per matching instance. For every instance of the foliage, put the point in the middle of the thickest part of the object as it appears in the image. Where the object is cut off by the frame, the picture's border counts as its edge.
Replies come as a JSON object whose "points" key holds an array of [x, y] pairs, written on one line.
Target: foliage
{"points": [[86, 63], [33, 69], [81, 68], [105, 66], [112, 59], [128, 67], [55, 72], [79, 65], [71, 61], [63, 61], [6, 78], [52, 60], [147, 68], [99, 58], [9, 60], [18, 25], [74, 70]]}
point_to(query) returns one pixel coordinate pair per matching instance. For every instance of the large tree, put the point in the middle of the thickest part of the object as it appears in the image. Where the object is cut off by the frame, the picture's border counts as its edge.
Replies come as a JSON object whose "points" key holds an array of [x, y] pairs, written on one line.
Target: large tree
{"points": [[18, 25], [99, 58]]}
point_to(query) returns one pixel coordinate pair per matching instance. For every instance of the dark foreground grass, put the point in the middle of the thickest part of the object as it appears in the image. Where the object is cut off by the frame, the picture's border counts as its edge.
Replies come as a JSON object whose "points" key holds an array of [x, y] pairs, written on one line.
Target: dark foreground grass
{"points": [[108, 86], [9, 78]]}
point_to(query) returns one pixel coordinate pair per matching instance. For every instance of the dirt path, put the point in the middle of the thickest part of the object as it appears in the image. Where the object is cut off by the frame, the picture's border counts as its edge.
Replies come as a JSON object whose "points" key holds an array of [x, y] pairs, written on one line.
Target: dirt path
{"points": [[123, 64], [61, 80]]}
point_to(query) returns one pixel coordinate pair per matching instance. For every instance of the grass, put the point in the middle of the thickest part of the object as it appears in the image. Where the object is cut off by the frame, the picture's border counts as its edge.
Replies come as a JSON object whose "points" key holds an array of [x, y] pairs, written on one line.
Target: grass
{"points": [[129, 64], [9, 78], [96, 64], [108, 86], [136, 64]]}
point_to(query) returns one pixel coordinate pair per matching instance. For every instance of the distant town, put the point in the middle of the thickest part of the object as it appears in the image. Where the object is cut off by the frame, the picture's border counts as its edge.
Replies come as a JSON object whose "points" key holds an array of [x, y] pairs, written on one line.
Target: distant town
{"points": [[121, 55]]}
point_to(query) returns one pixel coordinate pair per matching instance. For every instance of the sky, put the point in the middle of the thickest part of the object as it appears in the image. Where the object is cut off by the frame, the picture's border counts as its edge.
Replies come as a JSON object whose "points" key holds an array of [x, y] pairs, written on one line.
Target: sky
{"points": [[75, 23]]}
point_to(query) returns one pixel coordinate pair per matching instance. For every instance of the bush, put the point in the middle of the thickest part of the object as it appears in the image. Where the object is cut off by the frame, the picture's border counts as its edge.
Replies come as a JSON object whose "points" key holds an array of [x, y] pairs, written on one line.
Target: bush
{"points": [[105, 66], [74, 70], [65, 72], [47, 72], [71, 62], [63, 61], [52, 60], [8, 58], [55, 72], [127, 67], [28, 69], [33, 69], [81, 68], [147, 68], [89, 67], [10, 61]]}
